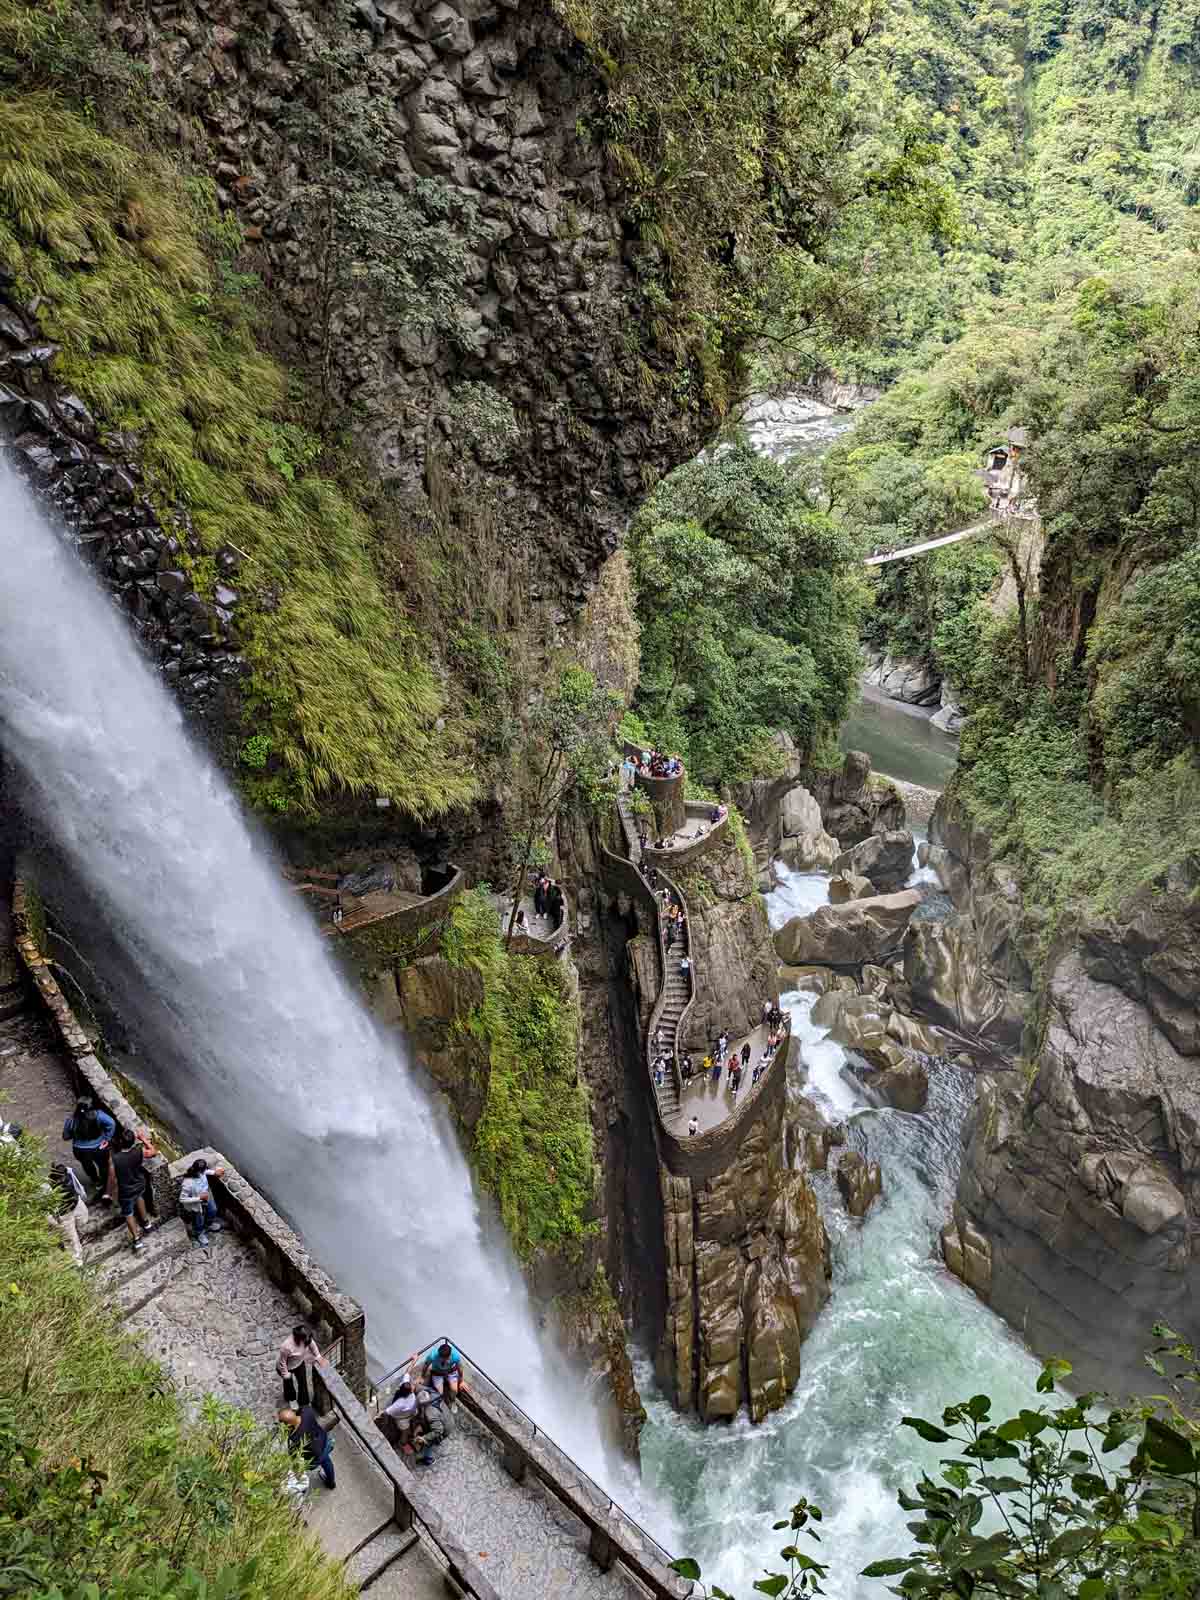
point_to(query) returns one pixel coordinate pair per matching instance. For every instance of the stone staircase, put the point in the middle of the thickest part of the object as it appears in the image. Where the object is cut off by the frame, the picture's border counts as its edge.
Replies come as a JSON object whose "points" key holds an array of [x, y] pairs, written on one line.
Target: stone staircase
{"points": [[129, 1279], [676, 992]]}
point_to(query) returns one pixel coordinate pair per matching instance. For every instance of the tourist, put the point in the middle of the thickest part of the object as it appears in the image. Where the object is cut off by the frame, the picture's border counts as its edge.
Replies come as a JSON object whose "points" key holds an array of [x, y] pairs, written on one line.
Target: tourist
{"points": [[766, 1012], [539, 894], [627, 771], [658, 1073], [746, 1053], [196, 1201], [764, 1062], [722, 1042], [731, 1064], [297, 1354], [708, 1061], [308, 1436], [403, 1412], [443, 1369], [554, 902], [659, 1040], [127, 1181], [735, 1082], [69, 1209], [693, 1125], [670, 933], [686, 1068], [652, 877], [716, 1071], [89, 1130], [685, 965], [520, 925]]}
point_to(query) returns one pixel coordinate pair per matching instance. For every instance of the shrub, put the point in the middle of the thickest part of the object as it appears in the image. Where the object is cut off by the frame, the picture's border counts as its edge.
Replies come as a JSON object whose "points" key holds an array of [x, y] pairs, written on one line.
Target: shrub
{"points": [[532, 1147]]}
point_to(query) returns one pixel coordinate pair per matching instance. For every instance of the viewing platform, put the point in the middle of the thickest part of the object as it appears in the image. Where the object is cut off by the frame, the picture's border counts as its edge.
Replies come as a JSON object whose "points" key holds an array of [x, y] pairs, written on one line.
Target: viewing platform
{"points": [[712, 1103], [341, 911], [504, 1514]]}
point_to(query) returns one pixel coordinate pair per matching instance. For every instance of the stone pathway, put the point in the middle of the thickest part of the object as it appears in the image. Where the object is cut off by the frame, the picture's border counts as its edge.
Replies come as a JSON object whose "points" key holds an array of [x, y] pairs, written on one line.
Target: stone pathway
{"points": [[712, 1102]]}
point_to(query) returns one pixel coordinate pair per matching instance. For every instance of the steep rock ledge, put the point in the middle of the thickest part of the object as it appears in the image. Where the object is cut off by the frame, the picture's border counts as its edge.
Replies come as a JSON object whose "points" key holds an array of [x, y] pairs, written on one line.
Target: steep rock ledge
{"points": [[1080, 1189], [486, 98]]}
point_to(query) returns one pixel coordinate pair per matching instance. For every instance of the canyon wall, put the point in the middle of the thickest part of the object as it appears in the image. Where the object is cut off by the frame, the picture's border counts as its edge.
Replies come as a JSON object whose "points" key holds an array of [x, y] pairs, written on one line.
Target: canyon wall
{"points": [[1079, 1196]]}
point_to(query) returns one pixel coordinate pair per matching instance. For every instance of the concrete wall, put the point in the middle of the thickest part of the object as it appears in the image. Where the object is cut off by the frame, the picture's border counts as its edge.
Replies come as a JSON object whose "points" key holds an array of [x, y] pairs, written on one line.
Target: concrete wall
{"points": [[696, 811], [665, 795]]}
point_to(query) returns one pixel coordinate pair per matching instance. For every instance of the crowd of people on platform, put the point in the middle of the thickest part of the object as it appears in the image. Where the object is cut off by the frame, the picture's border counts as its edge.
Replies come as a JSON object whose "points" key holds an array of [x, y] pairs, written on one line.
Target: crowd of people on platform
{"points": [[719, 1058], [416, 1418], [650, 764]]}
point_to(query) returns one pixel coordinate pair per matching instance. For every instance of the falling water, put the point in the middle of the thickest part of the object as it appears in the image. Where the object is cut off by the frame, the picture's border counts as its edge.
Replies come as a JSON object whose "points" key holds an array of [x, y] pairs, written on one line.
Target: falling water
{"points": [[257, 1044], [899, 1337]]}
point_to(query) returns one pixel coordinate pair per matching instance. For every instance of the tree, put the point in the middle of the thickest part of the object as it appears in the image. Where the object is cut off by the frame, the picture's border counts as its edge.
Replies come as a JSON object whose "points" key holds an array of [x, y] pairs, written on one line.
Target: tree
{"points": [[570, 748], [748, 597]]}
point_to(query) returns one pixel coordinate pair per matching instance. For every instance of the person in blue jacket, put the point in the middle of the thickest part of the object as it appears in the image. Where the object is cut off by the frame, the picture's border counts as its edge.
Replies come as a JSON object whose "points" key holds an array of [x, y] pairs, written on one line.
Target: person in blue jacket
{"points": [[90, 1131]]}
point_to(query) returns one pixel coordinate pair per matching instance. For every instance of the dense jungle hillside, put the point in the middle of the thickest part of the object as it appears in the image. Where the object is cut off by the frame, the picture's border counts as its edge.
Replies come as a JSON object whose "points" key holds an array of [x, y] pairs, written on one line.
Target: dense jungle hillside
{"points": [[1066, 303]]}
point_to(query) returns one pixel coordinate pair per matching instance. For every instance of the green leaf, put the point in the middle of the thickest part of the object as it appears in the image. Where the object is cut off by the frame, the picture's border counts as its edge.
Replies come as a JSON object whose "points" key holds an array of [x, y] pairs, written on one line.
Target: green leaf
{"points": [[775, 1584], [887, 1569], [1169, 1450], [978, 1407], [1002, 1485], [1091, 1589], [1052, 1371], [927, 1430], [686, 1567], [1014, 1428], [1071, 1542]]}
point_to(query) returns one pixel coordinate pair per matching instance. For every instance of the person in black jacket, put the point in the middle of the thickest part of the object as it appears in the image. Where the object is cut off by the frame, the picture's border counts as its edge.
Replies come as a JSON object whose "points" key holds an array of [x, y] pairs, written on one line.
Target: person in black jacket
{"points": [[306, 1434]]}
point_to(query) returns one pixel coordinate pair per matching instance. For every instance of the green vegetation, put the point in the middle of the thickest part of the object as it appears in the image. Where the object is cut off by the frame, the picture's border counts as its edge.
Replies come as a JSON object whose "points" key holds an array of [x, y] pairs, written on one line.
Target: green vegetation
{"points": [[1072, 1500], [532, 1147], [749, 598], [108, 1491], [728, 124]]}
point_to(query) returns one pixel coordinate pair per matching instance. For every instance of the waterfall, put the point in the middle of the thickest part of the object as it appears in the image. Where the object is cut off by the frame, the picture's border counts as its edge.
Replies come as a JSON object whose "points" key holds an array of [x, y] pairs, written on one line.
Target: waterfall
{"points": [[252, 1038]]}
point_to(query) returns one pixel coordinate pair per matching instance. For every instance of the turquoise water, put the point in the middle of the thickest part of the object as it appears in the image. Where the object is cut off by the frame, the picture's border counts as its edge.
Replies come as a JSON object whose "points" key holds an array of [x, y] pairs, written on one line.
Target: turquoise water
{"points": [[900, 743], [899, 1336]]}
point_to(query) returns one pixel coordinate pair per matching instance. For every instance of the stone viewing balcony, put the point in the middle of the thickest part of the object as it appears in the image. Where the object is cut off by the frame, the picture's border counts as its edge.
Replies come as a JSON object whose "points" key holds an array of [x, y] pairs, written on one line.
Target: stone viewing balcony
{"points": [[504, 1514], [697, 835], [665, 795], [542, 937], [341, 913]]}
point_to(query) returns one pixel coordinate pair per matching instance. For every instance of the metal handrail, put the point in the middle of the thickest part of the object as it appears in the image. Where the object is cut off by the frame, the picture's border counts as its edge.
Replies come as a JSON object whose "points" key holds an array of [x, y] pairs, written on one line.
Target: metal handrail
{"points": [[538, 1433]]}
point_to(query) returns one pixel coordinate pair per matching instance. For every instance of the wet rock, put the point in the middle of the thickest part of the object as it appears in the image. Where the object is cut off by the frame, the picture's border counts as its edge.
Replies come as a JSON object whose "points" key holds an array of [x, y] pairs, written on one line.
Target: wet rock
{"points": [[855, 802], [883, 858], [912, 682], [848, 935], [859, 1182], [895, 1077], [845, 886]]}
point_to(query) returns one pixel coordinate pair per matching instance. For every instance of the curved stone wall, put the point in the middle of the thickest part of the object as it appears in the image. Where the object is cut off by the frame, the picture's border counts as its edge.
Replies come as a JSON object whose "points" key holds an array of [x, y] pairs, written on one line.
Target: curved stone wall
{"points": [[678, 856], [664, 794]]}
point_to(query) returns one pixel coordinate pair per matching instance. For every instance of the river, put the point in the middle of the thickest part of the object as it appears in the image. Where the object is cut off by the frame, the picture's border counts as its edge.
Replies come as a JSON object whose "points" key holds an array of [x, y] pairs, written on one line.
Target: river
{"points": [[900, 740], [900, 1336]]}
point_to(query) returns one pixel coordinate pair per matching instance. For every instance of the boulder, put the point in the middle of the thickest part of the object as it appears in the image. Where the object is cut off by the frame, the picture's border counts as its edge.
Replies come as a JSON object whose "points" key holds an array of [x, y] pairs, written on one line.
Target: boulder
{"points": [[886, 859], [809, 852], [859, 1182], [950, 717], [848, 886], [850, 934], [899, 1079], [855, 802], [910, 681], [949, 981], [799, 813]]}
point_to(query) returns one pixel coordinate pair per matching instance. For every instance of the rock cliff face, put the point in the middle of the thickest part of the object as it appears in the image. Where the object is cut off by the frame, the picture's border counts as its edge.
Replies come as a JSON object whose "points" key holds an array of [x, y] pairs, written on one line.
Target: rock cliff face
{"points": [[747, 1272], [485, 98], [1080, 1189], [731, 945]]}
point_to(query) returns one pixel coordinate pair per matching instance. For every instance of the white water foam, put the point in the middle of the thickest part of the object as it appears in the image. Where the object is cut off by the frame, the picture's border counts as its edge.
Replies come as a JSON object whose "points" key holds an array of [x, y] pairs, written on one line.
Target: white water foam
{"points": [[254, 1039], [900, 1336]]}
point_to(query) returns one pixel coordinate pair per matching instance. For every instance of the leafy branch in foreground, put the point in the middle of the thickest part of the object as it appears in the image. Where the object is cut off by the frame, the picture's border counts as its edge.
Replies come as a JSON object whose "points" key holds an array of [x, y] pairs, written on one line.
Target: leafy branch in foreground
{"points": [[1030, 1507]]}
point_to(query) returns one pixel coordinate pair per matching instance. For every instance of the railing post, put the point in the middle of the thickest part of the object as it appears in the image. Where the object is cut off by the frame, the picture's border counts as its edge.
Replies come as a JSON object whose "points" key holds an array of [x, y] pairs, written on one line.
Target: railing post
{"points": [[402, 1511], [600, 1548]]}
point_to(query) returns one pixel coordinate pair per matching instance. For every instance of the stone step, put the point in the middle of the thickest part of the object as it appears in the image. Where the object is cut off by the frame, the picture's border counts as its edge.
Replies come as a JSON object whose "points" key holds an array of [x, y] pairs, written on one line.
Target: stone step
{"points": [[141, 1287], [116, 1261], [371, 1560]]}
